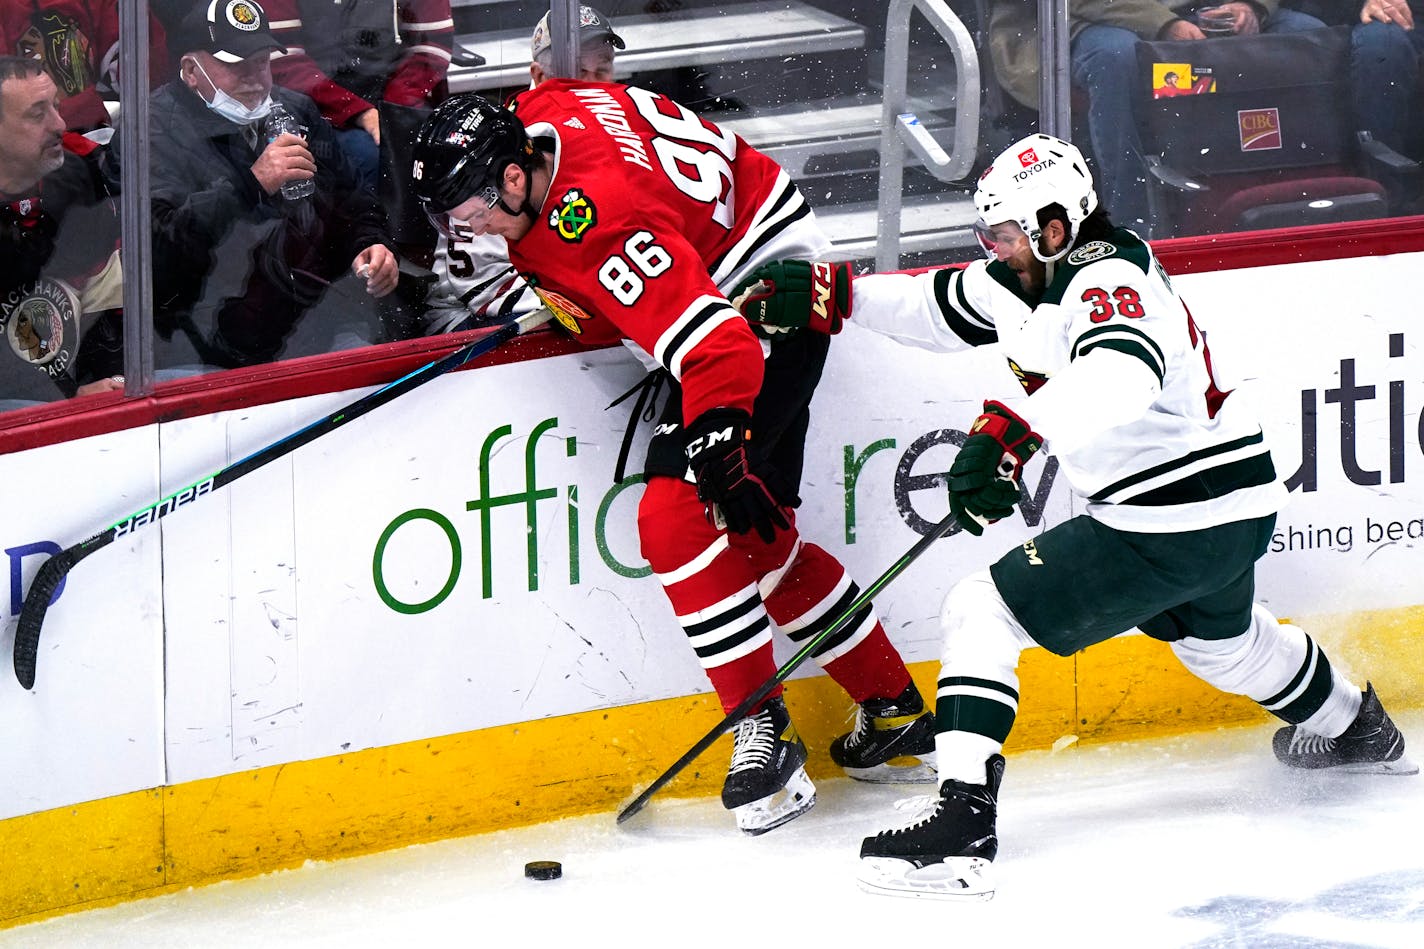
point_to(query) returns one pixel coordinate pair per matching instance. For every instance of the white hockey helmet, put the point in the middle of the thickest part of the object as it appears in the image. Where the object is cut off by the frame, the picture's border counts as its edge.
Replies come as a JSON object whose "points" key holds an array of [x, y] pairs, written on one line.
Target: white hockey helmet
{"points": [[1031, 174]]}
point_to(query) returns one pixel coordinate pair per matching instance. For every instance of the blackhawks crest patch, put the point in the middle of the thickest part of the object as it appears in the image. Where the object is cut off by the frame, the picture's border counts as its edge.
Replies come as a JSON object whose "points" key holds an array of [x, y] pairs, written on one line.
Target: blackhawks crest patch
{"points": [[574, 216], [568, 313]]}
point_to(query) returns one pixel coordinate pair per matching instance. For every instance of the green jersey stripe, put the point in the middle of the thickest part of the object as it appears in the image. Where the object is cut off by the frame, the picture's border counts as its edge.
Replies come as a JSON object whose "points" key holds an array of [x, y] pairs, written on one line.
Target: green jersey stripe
{"points": [[1127, 347], [1201, 454]]}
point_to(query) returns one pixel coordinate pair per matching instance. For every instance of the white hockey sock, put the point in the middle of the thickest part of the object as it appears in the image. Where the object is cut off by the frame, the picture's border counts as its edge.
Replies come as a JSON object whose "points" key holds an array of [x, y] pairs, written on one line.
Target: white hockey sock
{"points": [[962, 756], [977, 695], [1279, 666]]}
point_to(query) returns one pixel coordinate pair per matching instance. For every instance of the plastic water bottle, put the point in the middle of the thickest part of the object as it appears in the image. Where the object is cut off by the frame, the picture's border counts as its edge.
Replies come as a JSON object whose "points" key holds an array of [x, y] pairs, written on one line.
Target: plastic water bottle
{"points": [[279, 120]]}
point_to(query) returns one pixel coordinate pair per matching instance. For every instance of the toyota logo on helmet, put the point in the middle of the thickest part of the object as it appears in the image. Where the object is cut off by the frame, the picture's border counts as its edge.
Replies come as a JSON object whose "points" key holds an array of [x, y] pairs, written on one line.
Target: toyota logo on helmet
{"points": [[1032, 174]]}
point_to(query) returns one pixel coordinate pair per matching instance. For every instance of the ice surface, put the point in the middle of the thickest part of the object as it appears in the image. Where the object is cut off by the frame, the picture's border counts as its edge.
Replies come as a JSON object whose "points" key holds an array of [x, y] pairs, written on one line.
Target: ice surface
{"points": [[1199, 841]]}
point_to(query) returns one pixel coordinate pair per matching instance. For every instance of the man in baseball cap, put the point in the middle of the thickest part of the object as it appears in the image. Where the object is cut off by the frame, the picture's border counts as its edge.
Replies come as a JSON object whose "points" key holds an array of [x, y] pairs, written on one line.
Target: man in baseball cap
{"points": [[231, 30], [597, 43]]}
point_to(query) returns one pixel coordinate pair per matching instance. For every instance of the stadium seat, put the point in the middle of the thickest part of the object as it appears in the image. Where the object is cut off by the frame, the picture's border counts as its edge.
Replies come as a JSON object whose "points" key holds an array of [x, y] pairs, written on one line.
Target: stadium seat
{"points": [[1252, 132]]}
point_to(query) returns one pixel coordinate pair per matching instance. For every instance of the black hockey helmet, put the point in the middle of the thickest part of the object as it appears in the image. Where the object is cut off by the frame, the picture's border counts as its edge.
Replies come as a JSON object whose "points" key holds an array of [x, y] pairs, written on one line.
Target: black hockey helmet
{"points": [[462, 149]]}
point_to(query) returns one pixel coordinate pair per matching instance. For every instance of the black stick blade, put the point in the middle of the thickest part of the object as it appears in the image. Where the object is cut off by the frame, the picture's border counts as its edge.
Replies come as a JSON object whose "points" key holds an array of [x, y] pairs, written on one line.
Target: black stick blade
{"points": [[27, 631]]}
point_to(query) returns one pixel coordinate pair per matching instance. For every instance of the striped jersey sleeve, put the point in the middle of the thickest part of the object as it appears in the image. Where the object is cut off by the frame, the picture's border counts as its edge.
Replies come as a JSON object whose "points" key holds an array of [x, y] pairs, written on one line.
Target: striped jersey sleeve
{"points": [[942, 310]]}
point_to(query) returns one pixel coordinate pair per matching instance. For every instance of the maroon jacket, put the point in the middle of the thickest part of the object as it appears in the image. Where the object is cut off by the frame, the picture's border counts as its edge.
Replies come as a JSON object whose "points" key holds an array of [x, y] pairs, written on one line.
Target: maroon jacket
{"points": [[349, 55]]}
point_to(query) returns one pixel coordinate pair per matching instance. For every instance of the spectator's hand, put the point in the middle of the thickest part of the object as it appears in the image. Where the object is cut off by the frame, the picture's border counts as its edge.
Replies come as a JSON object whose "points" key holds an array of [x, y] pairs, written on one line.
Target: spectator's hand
{"points": [[1245, 20], [286, 158], [1182, 30], [379, 268], [370, 120], [106, 384], [1388, 11]]}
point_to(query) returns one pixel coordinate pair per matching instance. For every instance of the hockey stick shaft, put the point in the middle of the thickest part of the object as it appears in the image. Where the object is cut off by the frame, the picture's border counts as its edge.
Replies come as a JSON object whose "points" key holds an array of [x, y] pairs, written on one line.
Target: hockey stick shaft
{"points": [[802, 654], [53, 571]]}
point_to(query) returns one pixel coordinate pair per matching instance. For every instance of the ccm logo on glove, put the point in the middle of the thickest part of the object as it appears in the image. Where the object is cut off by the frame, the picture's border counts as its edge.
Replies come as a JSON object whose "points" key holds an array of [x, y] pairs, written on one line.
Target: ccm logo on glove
{"points": [[789, 294], [734, 493]]}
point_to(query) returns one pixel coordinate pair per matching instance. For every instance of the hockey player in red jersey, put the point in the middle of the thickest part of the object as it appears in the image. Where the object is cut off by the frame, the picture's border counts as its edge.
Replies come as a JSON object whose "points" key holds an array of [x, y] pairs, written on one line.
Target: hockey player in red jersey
{"points": [[626, 213], [1179, 488]]}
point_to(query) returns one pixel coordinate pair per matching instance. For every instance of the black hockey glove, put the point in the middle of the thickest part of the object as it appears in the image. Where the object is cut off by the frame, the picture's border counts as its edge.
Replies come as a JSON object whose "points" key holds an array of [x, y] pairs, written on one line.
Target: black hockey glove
{"points": [[788, 294], [984, 479], [735, 496]]}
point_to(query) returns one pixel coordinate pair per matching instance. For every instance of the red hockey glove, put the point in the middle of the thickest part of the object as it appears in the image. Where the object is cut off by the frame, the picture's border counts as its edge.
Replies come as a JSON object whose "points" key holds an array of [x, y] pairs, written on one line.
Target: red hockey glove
{"points": [[788, 294], [717, 450], [984, 479]]}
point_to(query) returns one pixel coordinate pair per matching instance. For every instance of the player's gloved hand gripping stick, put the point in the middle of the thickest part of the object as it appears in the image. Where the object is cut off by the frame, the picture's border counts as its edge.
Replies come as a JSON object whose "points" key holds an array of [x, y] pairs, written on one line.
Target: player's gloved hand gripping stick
{"points": [[984, 479], [53, 571]]}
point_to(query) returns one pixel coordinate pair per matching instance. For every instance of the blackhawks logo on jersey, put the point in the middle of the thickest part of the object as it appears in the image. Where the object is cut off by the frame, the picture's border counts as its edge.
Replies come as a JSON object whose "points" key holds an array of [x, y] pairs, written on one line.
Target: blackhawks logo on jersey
{"points": [[567, 312], [574, 216]]}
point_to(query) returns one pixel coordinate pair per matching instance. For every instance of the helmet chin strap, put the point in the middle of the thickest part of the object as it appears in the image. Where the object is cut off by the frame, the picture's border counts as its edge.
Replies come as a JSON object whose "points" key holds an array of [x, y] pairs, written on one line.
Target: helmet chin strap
{"points": [[525, 207]]}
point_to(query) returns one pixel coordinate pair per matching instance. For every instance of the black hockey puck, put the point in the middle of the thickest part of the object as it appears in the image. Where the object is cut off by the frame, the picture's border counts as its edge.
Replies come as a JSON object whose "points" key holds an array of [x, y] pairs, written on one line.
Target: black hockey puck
{"points": [[543, 870]]}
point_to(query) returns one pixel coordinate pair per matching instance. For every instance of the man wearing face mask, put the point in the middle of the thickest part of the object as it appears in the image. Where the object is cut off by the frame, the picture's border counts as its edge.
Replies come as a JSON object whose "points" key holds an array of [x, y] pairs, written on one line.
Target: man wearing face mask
{"points": [[238, 263]]}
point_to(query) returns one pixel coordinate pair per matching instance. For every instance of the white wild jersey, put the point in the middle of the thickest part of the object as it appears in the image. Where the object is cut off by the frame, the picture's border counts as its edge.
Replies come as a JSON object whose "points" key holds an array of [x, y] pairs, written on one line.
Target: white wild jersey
{"points": [[1118, 376]]}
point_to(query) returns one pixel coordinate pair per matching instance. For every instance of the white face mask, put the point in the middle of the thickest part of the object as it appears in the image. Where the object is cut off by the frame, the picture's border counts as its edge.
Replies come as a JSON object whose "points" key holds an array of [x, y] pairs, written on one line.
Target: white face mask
{"points": [[232, 110]]}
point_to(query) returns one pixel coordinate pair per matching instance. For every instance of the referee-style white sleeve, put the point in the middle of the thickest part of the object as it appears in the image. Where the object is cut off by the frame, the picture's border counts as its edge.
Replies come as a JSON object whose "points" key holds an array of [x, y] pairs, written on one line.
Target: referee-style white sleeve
{"points": [[1098, 391]]}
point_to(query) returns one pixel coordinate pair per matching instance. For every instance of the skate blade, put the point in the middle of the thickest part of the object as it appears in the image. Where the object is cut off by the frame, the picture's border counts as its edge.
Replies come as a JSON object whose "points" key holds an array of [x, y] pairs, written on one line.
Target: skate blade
{"points": [[906, 770], [1402, 765], [956, 878], [794, 799]]}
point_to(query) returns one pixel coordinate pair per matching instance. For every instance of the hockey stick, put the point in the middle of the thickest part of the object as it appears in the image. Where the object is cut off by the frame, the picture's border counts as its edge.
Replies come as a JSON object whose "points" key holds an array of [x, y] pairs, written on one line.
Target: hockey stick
{"points": [[750, 702], [53, 571]]}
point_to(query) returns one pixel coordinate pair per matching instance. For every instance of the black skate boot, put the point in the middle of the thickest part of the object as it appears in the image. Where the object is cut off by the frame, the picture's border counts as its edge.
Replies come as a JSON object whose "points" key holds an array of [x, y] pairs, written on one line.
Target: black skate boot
{"points": [[1371, 745], [893, 741], [946, 852], [766, 782]]}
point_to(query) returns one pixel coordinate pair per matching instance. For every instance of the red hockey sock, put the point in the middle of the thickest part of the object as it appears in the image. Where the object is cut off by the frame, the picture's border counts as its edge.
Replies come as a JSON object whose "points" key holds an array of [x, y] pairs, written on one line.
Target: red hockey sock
{"points": [[815, 593]]}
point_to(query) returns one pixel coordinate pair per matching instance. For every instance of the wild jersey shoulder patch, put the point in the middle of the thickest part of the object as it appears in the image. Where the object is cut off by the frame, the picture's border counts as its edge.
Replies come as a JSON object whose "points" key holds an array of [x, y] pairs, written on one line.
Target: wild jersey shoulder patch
{"points": [[574, 216], [1091, 251]]}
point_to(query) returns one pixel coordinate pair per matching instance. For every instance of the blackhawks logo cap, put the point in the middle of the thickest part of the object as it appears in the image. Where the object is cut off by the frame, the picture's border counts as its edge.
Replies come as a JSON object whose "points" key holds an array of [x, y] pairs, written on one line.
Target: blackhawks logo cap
{"points": [[232, 30]]}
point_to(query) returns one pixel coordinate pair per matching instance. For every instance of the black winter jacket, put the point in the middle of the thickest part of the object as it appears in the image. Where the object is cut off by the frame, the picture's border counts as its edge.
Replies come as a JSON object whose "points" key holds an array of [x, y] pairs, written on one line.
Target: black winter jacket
{"points": [[236, 267]]}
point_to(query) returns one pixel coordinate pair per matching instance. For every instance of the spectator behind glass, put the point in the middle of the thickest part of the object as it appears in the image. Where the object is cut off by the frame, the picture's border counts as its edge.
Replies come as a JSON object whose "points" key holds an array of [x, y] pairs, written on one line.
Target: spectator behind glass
{"points": [[475, 282], [78, 43], [349, 55], [60, 283], [237, 265], [1385, 45], [1103, 61]]}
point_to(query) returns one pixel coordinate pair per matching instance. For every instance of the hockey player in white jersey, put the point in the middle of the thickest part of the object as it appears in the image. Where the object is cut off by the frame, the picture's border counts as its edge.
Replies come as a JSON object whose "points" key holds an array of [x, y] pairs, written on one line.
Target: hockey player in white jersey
{"points": [[1179, 487]]}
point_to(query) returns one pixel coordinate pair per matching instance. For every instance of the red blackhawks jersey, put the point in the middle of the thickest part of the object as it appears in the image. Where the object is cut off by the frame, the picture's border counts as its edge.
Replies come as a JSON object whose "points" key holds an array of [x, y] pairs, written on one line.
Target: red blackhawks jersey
{"points": [[649, 211]]}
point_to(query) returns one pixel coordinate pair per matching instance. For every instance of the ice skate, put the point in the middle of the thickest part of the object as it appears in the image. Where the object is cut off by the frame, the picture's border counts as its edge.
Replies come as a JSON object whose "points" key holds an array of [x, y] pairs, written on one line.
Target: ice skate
{"points": [[766, 782], [946, 852], [1371, 745], [893, 741]]}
